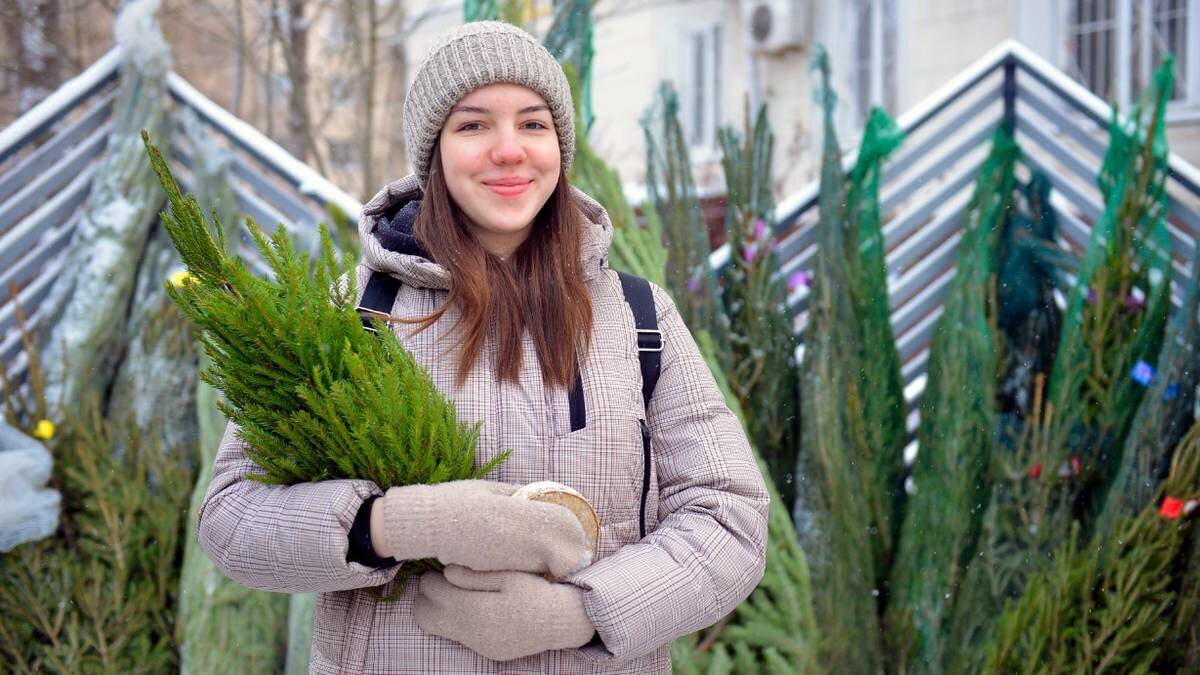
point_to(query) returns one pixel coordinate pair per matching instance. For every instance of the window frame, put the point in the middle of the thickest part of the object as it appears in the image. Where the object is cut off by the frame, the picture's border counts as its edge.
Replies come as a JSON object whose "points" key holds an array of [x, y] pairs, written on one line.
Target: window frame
{"points": [[881, 56], [1132, 61], [700, 97]]}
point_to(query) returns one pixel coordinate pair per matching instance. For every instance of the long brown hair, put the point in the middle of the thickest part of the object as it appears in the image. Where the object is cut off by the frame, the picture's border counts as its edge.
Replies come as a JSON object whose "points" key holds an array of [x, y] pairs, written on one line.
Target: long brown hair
{"points": [[540, 288]]}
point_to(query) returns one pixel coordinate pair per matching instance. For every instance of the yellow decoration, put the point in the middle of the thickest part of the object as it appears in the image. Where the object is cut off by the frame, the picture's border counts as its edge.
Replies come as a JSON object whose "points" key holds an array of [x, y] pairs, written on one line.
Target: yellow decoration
{"points": [[44, 430], [180, 277]]}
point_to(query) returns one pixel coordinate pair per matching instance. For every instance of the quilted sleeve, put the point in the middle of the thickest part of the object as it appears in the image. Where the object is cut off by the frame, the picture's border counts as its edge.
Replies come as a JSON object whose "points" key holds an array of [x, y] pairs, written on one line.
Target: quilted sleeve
{"points": [[282, 538], [709, 550]]}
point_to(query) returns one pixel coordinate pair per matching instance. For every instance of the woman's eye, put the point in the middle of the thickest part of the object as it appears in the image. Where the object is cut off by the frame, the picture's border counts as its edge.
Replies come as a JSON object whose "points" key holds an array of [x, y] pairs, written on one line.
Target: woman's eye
{"points": [[539, 124], [468, 125]]}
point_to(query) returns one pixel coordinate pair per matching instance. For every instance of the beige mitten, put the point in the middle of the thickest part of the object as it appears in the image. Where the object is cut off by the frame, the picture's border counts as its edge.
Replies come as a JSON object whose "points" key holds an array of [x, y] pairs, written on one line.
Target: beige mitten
{"points": [[502, 615], [478, 524]]}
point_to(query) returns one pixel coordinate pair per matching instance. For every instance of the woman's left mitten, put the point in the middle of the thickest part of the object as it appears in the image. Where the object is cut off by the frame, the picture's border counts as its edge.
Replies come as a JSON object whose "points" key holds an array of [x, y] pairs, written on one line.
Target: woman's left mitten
{"points": [[502, 615]]}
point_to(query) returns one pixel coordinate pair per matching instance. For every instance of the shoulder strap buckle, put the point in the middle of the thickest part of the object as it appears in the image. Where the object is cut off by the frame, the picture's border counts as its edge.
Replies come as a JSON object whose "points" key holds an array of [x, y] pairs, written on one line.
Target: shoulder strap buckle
{"points": [[377, 299], [649, 340], [640, 298]]}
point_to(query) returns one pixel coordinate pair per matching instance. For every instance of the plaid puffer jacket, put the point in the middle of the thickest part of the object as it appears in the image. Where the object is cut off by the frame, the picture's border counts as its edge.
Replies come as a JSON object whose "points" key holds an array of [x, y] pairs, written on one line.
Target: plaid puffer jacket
{"points": [[705, 500]]}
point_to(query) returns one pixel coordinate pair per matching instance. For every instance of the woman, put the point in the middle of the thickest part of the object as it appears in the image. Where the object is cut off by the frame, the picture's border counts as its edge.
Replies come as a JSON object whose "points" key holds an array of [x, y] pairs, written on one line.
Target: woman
{"points": [[506, 297]]}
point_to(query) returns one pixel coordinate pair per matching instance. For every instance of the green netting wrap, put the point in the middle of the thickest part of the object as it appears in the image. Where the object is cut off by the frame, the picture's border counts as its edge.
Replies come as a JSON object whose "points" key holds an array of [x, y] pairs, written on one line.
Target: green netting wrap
{"points": [[1118, 309], [881, 387], [1105, 606], [1013, 538], [832, 515], [956, 436], [761, 361], [672, 191], [1010, 544]]}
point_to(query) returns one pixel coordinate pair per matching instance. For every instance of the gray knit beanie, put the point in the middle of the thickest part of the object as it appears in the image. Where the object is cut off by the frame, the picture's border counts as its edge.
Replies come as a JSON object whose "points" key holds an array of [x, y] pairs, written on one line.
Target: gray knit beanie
{"points": [[469, 57]]}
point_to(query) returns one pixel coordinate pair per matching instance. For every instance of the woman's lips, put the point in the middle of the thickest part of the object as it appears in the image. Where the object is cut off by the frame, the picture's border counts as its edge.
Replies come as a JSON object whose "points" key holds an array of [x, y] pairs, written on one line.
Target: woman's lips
{"points": [[509, 190]]}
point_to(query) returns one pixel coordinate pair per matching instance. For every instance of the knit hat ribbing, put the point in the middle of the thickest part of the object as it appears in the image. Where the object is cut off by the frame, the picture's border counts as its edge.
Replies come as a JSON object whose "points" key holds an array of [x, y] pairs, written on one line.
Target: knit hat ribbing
{"points": [[469, 57]]}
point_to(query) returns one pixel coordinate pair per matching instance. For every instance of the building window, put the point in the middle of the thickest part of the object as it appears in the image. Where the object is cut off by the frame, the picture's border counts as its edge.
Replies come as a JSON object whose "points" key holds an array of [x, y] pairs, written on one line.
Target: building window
{"points": [[1113, 46], [1091, 43], [700, 101], [874, 71], [1160, 28]]}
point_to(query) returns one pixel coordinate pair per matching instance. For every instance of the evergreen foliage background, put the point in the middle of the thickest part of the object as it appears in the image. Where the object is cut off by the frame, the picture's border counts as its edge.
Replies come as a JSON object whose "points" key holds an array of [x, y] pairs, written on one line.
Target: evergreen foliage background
{"points": [[99, 596]]}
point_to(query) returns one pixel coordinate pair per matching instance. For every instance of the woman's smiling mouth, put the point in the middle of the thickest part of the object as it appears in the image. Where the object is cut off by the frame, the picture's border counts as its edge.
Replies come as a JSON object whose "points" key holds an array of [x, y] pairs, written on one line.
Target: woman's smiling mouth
{"points": [[509, 187]]}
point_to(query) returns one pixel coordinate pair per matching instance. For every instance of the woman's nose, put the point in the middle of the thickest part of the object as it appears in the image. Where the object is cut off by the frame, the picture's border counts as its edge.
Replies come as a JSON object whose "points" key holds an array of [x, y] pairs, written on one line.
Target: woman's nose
{"points": [[507, 149]]}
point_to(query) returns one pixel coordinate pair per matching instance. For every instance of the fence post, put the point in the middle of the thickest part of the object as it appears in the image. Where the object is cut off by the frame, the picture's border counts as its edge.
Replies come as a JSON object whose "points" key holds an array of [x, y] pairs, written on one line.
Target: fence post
{"points": [[1010, 94]]}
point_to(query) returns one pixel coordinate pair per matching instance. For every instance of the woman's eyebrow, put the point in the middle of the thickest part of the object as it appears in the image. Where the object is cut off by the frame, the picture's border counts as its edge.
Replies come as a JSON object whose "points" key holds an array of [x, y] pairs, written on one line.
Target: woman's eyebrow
{"points": [[484, 111]]}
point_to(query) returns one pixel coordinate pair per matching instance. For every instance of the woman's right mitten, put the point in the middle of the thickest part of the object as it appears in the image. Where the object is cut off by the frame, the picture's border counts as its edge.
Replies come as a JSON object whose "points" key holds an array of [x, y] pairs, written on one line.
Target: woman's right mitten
{"points": [[480, 525]]}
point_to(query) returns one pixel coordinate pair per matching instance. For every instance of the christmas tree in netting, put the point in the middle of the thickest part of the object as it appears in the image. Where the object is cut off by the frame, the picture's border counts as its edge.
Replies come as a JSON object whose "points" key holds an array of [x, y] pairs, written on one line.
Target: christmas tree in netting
{"points": [[835, 466], [1106, 605], [880, 384], [956, 435], [774, 631], [672, 193], [1118, 308]]}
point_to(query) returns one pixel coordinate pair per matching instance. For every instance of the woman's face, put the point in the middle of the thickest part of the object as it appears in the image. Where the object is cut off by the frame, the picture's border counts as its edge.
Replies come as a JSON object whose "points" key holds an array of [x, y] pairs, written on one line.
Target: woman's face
{"points": [[501, 162]]}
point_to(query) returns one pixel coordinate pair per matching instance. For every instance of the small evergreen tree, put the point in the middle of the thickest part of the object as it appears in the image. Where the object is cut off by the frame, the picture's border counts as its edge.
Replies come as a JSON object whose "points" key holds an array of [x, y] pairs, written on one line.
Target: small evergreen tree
{"points": [[761, 364], [835, 466], [774, 630], [315, 396]]}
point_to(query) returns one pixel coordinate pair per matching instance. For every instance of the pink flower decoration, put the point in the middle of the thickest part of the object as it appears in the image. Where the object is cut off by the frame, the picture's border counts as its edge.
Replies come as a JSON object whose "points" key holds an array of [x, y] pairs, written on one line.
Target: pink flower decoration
{"points": [[693, 284], [760, 228], [798, 279], [749, 251]]}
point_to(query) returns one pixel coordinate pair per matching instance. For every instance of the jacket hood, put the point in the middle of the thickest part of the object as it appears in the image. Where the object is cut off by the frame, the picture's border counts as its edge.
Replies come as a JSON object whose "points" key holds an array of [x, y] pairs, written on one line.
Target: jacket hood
{"points": [[388, 245]]}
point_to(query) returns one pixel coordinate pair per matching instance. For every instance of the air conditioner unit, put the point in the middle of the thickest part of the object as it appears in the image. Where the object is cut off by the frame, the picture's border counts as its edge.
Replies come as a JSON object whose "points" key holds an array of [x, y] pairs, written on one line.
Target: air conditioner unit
{"points": [[775, 25]]}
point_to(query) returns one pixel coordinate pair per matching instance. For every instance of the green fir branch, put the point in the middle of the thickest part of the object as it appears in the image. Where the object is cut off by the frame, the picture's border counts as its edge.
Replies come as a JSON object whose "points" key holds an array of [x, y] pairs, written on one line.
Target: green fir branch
{"points": [[316, 397], [1105, 606]]}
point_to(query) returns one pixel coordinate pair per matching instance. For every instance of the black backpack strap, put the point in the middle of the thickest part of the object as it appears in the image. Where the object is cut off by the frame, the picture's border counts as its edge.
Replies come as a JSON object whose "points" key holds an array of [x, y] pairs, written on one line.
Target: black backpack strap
{"points": [[649, 337], [378, 297]]}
